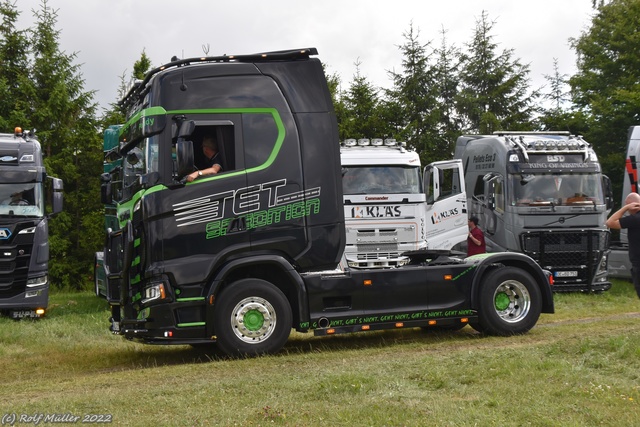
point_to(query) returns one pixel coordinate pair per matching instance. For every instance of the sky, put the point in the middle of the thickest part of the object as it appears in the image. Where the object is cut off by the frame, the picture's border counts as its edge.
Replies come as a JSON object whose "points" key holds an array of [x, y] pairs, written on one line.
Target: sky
{"points": [[108, 36]]}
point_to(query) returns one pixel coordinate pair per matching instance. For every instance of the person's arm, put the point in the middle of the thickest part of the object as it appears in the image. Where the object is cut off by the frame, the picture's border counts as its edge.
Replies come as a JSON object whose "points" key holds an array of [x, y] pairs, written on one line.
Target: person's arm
{"points": [[475, 241], [208, 171], [614, 220]]}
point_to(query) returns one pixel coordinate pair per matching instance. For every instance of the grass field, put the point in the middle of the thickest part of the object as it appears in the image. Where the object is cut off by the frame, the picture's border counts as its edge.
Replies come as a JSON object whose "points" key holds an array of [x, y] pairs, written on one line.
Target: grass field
{"points": [[577, 367]]}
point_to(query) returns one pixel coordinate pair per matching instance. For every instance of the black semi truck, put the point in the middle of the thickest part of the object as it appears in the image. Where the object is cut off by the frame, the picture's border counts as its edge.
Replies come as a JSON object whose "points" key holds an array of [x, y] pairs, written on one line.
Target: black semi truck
{"points": [[241, 257], [24, 232]]}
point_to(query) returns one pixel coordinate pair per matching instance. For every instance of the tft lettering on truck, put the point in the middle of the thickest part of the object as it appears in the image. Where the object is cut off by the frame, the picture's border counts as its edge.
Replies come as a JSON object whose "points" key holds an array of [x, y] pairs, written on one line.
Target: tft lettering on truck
{"points": [[260, 205]]}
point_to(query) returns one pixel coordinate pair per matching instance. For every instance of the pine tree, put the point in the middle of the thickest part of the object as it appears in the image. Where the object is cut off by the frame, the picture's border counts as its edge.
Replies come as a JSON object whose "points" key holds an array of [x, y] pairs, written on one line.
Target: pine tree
{"points": [[560, 115], [64, 114], [362, 117], [14, 71], [414, 94], [494, 87], [141, 66], [447, 82]]}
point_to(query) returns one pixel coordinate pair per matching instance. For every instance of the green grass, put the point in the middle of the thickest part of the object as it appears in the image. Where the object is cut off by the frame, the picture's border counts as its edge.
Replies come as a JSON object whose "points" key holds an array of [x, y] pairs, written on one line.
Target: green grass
{"points": [[578, 367]]}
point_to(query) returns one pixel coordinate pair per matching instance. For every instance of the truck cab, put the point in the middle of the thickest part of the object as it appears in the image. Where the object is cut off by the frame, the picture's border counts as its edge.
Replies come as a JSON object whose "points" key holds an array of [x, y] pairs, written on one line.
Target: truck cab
{"points": [[542, 194], [24, 232], [385, 203]]}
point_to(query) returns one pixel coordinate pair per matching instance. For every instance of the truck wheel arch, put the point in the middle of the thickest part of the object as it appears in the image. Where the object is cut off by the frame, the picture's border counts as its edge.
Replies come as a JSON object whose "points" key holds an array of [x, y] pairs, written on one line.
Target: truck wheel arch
{"points": [[274, 269], [517, 260]]}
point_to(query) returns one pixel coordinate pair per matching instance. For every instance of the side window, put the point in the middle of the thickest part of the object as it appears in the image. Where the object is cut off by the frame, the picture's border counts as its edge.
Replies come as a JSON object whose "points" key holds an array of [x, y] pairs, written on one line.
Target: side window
{"points": [[428, 191], [450, 181], [260, 135], [224, 141], [478, 189], [499, 193]]}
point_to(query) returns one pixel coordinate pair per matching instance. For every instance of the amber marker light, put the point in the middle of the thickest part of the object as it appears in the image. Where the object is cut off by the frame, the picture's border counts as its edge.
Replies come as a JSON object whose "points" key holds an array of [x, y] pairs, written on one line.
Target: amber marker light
{"points": [[40, 311], [399, 325], [366, 327], [331, 331], [448, 277], [464, 320], [367, 282], [432, 322]]}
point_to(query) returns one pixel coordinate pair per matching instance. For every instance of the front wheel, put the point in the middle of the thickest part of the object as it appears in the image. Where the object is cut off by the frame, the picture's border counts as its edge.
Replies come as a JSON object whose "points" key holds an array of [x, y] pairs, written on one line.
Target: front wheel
{"points": [[510, 302], [252, 317]]}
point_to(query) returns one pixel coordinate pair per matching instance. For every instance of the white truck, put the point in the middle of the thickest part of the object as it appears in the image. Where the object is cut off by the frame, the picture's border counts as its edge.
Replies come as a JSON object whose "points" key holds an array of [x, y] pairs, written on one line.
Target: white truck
{"points": [[619, 265], [386, 209]]}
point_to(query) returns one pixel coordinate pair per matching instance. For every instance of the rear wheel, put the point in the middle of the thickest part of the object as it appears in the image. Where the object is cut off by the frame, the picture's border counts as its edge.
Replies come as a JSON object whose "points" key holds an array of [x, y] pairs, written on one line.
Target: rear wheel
{"points": [[510, 302], [252, 317]]}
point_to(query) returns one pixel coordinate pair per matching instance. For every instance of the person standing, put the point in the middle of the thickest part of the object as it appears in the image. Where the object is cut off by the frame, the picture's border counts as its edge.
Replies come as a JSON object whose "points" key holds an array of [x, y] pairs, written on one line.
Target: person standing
{"points": [[631, 222], [475, 239]]}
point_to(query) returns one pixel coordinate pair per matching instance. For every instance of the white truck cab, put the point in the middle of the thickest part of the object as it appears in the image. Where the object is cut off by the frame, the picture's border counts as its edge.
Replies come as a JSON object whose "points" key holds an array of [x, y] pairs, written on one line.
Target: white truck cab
{"points": [[386, 205]]}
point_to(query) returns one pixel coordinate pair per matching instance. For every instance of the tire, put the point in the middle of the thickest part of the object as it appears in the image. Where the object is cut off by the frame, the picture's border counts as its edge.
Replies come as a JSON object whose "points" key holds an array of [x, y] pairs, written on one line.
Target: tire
{"points": [[96, 288], [252, 317], [510, 302]]}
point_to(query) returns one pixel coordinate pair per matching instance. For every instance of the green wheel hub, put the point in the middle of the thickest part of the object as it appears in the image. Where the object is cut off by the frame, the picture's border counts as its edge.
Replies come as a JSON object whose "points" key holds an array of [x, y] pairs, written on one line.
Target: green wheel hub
{"points": [[253, 320], [512, 301], [502, 301]]}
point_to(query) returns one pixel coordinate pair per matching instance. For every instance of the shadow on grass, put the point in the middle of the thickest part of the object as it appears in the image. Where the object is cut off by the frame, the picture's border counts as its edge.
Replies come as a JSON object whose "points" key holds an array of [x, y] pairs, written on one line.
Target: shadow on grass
{"points": [[137, 355]]}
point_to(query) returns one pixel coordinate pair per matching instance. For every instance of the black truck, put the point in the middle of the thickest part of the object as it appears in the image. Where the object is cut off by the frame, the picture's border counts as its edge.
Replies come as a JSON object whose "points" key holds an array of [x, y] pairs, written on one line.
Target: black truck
{"points": [[24, 231], [241, 257]]}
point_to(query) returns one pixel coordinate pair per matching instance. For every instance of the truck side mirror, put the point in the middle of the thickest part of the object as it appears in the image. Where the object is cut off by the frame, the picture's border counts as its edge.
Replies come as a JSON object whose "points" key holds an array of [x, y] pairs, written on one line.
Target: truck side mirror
{"points": [[608, 192], [106, 196], [186, 128], [491, 202], [57, 198], [184, 158]]}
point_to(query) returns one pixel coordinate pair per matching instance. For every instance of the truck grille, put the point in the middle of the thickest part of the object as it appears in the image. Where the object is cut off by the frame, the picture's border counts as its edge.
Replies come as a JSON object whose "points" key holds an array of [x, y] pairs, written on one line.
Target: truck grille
{"points": [[14, 266], [372, 247], [572, 256]]}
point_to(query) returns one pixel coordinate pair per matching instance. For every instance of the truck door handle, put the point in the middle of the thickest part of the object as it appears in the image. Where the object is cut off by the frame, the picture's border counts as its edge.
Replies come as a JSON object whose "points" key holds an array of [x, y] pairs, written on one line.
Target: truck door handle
{"points": [[237, 225]]}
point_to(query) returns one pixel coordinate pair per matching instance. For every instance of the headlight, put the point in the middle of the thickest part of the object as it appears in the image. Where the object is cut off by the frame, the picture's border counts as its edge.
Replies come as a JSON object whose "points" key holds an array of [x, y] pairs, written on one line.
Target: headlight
{"points": [[154, 292], [37, 281]]}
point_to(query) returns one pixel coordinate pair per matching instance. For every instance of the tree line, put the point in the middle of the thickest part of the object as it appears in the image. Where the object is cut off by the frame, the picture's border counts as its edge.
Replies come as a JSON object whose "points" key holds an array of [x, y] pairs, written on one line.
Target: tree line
{"points": [[441, 92]]}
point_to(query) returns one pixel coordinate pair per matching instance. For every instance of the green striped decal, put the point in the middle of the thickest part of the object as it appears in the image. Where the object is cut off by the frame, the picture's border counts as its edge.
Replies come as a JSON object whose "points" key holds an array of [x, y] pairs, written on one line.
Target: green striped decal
{"points": [[190, 325]]}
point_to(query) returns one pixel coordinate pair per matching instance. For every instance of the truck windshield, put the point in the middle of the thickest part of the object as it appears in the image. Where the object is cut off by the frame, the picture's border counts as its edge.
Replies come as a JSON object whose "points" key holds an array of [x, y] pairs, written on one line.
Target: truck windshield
{"points": [[556, 189], [140, 160], [381, 180], [25, 199]]}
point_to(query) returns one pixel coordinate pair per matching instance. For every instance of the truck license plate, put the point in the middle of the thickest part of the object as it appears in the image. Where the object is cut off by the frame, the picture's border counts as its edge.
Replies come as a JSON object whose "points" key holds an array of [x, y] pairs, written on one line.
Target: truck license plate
{"points": [[571, 273], [19, 314]]}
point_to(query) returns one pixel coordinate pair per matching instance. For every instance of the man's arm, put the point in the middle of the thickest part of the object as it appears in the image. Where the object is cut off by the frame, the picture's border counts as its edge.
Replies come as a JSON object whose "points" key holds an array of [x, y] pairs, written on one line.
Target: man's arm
{"points": [[614, 220], [208, 171]]}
